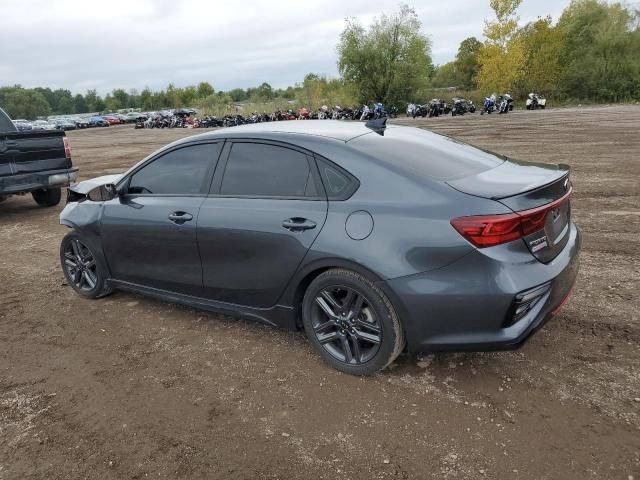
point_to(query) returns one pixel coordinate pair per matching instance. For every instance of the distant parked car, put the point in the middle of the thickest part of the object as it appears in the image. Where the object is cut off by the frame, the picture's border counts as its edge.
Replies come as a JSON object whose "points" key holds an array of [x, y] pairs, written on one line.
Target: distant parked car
{"points": [[22, 125], [133, 117], [65, 124], [82, 123], [42, 125], [111, 119], [98, 121]]}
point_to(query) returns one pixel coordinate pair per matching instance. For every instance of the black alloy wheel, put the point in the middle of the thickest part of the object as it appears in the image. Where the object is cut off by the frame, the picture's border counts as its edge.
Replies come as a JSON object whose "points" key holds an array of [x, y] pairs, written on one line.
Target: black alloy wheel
{"points": [[83, 270], [80, 266], [345, 325], [351, 323]]}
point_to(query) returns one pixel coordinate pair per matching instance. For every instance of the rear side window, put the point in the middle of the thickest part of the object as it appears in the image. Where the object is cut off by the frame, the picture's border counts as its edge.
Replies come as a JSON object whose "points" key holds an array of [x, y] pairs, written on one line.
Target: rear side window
{"points": [[179, 172], [338, 184], [263, 170]]}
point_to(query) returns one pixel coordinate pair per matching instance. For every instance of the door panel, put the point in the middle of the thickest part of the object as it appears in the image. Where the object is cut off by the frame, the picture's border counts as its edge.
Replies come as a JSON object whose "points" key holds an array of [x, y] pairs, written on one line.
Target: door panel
{"points": [[143, 246], [248, 256]]}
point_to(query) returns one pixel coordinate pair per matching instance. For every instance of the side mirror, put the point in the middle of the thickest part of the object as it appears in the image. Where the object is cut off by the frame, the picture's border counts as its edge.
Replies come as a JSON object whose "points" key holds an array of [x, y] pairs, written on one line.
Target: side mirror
{"points": [[103, 193]]}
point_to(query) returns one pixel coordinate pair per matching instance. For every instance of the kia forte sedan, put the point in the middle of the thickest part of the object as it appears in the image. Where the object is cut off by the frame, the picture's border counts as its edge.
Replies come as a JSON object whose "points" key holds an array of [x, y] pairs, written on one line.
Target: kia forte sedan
{"points": [[370, 238]]}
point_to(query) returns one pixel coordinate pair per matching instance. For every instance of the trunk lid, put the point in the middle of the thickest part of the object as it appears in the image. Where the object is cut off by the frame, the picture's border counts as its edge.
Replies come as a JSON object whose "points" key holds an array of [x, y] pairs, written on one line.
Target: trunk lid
{"points": [[535, 190]]}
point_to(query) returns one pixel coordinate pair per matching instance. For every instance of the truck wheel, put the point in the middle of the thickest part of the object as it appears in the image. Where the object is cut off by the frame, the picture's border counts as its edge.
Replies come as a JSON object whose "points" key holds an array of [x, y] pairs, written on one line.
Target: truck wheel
{"points": [[47, 197]]}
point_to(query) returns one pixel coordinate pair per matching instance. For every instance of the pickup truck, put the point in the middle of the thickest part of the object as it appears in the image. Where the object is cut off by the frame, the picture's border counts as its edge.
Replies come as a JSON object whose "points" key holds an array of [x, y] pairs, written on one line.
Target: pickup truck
{"points": [[35, 161]]}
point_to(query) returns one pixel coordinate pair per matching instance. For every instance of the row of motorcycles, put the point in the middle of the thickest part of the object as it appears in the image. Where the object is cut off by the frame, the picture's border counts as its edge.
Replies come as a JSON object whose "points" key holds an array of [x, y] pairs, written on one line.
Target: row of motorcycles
{"points": [[363, 112], [437, 107], [459, 106]]}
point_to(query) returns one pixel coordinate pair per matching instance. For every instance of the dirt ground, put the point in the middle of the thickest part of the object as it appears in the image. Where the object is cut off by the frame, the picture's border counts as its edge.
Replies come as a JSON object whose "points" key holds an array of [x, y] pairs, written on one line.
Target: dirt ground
{"points": [[131, 387]]}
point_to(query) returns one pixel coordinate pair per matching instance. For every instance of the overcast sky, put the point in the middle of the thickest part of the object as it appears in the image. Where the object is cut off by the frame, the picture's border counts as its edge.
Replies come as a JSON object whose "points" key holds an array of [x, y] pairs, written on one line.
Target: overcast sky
{"points": [[80, 44]]}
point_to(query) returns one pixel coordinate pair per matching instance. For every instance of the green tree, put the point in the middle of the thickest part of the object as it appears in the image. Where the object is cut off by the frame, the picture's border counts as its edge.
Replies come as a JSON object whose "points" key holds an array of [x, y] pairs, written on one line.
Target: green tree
{"points": [[466, 63], [24, 103], [146, 99], [188, 95], [544, 44], [502, 58], [93, 101], [238, 94], [80, 104], [602, 51], [263, 92], [390, 61], [204, 90], [121, 98], [445, 75]]}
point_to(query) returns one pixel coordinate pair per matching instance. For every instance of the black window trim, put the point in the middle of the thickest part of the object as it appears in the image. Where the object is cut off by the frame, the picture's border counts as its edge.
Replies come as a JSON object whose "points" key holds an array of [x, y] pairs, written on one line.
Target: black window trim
{"points": [[123, 184], [216, 184]]}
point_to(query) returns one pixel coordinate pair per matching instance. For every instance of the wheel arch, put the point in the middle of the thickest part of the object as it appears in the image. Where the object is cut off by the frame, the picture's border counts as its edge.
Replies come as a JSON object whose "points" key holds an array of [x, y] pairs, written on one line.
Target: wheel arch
{"points": [[298, 285]]}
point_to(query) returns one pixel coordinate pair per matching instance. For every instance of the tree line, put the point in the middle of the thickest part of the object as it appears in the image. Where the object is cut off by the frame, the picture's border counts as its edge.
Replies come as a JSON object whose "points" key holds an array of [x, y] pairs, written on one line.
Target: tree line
{"points": [[591, 53]]}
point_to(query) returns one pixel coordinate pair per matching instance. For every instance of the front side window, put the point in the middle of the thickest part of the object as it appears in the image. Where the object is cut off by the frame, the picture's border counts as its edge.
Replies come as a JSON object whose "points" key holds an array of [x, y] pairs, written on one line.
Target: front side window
{"points": [[179, 172], [262, 170]]}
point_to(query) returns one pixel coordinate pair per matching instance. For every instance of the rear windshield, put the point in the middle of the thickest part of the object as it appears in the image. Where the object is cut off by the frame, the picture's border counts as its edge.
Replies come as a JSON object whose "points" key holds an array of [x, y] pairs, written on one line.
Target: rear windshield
{"points": [[6, 125], [426, 154]]}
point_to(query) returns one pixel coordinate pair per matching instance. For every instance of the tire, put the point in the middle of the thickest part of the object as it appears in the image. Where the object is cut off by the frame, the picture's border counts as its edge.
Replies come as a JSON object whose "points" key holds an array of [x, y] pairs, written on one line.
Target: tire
{"points": [[90, 279], [47, 197], [351, 323]]}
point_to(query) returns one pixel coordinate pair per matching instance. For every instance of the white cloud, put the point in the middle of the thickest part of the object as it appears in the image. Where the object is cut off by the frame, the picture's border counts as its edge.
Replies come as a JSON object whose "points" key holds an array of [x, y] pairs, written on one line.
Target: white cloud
{"points": [[78, 45]]}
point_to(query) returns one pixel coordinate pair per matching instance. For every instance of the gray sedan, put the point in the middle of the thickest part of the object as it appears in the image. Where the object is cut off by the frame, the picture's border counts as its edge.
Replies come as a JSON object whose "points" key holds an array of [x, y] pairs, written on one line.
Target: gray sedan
{"points": [[370, 238]]}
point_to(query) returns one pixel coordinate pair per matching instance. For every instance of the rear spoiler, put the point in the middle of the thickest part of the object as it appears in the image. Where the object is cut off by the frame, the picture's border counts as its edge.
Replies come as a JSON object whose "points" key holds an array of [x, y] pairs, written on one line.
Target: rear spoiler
{"points": [[510, 178]]}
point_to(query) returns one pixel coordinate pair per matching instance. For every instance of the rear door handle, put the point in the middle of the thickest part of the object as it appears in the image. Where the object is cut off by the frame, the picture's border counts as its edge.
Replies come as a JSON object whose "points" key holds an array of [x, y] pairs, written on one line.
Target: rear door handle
{"points": [[298, 224], [180, 217]]}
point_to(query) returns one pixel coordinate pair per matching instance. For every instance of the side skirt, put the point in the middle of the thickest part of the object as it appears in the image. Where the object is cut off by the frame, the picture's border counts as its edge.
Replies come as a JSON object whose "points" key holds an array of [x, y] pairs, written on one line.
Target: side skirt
{"points": [[278, 316]]}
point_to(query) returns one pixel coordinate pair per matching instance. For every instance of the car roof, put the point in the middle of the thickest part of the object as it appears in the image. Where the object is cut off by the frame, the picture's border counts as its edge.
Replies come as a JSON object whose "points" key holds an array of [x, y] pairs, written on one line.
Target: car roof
{"points": [[336, 129]]}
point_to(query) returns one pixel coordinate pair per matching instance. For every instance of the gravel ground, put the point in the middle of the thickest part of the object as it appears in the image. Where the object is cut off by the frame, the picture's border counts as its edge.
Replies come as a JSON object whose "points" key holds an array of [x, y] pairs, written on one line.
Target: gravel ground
{"points": [[130, 387]]}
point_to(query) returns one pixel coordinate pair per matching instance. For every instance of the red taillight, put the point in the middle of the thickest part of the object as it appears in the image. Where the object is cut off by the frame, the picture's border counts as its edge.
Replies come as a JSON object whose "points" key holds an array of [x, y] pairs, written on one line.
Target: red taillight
{"points": [[489, 230], [67, 147]]}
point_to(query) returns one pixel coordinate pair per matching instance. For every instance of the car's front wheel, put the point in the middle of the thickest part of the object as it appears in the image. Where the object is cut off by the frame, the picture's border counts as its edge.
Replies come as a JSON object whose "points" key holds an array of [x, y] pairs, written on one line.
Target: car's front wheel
{"points": [[351, 322], [82, 269]]}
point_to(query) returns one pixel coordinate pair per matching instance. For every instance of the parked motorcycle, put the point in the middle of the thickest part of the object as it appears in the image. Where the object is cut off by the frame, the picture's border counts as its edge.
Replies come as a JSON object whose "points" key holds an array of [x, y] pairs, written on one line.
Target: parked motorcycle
{"points": [[535, 101], [489, 105], [460, 106], [505, 104], [442, 107]]}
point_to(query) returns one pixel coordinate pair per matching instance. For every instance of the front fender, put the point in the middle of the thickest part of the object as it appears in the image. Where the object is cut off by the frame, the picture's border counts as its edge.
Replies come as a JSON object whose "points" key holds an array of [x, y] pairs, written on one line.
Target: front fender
{"points": [[85, 219]]}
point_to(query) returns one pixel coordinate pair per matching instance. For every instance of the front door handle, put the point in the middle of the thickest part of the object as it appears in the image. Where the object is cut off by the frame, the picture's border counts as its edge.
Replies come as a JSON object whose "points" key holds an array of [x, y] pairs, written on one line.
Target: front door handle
{"points": [[298, 224], [180, 217]]}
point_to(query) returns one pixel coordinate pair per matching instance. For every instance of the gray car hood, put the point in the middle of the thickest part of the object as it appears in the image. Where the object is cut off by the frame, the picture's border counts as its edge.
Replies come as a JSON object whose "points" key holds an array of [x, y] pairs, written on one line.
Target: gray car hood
{"points": [[88, 185]]}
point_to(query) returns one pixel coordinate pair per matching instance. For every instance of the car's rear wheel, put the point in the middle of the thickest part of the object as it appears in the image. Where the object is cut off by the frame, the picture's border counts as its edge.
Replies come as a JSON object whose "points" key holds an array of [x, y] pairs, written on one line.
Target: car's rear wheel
{"points": [[47, 197], [82, 269], [351, 322]]}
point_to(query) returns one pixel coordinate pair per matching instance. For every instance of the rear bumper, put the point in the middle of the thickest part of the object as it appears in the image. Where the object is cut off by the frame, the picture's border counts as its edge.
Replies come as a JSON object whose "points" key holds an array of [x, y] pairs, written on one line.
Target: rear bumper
{"points": [[29, 182], [466, 305]]}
